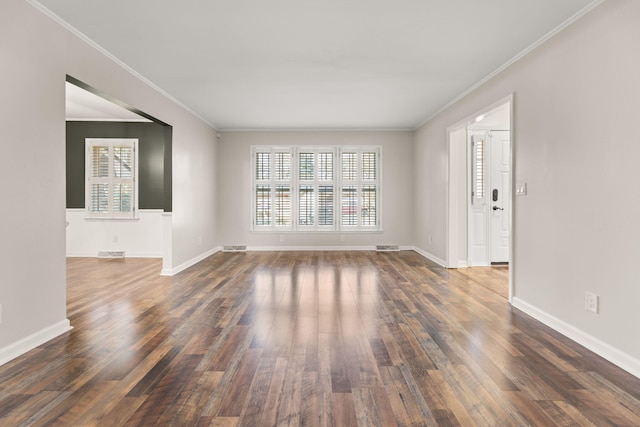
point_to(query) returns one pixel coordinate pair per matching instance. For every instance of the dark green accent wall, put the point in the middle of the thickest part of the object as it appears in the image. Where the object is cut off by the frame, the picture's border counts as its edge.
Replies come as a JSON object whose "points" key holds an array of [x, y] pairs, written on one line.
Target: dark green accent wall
{"points": [[154, 160]]}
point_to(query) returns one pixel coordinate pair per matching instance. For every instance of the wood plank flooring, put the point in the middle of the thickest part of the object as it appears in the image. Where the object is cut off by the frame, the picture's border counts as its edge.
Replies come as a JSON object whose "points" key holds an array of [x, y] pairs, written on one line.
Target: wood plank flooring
{"points": [[306, 338]]}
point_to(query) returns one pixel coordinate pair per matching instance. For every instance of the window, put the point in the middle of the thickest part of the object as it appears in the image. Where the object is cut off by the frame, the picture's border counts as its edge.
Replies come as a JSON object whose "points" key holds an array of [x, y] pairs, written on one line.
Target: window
{"points": [[314, 181], [360, 188], [272, 190], [111, 172], [478, 165]]}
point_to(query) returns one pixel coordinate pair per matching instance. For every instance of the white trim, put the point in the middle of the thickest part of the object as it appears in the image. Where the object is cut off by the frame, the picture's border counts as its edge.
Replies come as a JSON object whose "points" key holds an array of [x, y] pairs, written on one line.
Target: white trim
{"points": [[127, 254], [463, 264], [106, 119], [515, 59], [27, 344], [478, 264], [318, 248], [601, 348], [305, 129], [431, 257], [175, 270], [113, 58]]}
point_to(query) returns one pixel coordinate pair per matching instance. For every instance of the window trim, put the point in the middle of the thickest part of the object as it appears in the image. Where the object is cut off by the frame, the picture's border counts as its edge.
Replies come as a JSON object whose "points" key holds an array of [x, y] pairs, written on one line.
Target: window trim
{"points": [[111, 215], [337, 183]]}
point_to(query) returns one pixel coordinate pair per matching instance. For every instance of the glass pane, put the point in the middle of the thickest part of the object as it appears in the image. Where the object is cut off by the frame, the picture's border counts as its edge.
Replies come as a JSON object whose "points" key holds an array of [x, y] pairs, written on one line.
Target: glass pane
{"points": [[123, 162], [263, 164], [122, 195], [283, 166], [349, 203], [99, 198], [479, 164], [325, 205], [325, 166], [100, 162], [349, 166], [263, 205], [283, 205], [305, 205], [306, 166], [369, 166], [369, 204]]}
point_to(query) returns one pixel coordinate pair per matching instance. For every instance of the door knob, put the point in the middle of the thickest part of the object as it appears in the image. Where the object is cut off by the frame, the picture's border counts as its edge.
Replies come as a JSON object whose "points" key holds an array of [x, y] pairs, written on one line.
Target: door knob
{"points": [[495, 208]]}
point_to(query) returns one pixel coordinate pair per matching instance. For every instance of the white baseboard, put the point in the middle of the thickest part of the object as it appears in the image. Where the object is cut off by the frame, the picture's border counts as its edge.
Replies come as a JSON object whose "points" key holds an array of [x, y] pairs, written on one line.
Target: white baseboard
{"points": [[318, 248], [26, 344], [175, 270], [126, 254], [478, 264], [431, 257], [463, 264], [601, 348]]}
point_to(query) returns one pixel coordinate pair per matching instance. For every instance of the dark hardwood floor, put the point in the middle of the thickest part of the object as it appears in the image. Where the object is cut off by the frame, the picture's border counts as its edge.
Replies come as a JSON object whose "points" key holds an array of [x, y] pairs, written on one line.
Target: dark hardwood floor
{"points": [[306, 338]]}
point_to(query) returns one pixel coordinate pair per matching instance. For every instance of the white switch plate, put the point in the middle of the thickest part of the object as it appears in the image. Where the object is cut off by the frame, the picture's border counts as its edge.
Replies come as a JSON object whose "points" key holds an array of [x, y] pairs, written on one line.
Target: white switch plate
{"points": [[521, 189]]}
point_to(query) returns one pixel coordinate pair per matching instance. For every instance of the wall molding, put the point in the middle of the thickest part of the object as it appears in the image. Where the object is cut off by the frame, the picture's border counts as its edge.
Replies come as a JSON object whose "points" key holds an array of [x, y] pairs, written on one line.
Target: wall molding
{"points": [[588, 8], [32, 341], [127, 254], [601, 348], [319, 248], [114, 59], [175, 270], [431, 257]]}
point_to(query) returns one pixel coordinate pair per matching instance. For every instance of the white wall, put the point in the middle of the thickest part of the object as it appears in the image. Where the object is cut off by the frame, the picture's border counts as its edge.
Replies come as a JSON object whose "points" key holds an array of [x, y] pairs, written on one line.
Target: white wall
{"points": [[235, 189], [37, 54], [577, 100], [139, 238]]}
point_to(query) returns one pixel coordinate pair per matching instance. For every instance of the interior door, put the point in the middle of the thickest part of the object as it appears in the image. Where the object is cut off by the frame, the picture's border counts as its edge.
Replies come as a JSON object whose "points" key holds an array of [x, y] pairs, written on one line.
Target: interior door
{"points": [[499, 196]]}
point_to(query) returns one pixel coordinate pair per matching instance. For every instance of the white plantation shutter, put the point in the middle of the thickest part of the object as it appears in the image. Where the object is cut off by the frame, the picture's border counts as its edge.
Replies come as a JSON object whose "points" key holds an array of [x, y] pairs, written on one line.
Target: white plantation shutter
{"points": [[111, 171], [316, 182], [479, 163], [272, 195], [315, 188], [360, 184]]}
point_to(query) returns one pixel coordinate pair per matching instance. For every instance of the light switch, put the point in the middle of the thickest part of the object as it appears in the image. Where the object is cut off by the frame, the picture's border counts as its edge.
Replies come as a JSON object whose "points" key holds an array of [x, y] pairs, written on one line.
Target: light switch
{"points": [[521, 189]]}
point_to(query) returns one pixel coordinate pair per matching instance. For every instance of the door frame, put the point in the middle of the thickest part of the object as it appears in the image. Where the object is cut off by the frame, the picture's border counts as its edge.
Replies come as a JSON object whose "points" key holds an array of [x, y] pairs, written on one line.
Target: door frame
{"points": [[457, 185]]}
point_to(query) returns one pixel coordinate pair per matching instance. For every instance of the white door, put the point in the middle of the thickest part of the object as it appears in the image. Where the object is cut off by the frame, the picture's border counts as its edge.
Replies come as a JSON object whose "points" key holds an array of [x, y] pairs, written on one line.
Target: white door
{"points": [[499, 197], [478, 225]]}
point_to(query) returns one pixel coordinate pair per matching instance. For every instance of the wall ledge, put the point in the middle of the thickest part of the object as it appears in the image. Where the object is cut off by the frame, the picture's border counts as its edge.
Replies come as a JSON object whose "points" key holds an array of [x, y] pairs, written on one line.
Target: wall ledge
{"points": [[32, 341], [601, 348]]}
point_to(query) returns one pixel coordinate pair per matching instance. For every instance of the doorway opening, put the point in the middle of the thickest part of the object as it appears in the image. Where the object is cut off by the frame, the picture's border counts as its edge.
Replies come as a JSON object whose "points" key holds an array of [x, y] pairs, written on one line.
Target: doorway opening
{"points": [[480, 201], [95, 222]]}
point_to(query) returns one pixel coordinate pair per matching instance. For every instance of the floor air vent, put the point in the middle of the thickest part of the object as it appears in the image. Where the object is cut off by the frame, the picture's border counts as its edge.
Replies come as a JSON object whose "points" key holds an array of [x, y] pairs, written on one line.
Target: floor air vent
{"points": [[111, 254], [387, 248], [234, 248]]}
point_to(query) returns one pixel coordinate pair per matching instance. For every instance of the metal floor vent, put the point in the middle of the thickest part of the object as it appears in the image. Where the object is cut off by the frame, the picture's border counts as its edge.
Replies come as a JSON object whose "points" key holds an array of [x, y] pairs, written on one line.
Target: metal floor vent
{"points": [[111, 254], [387, 248], [234, 248]]}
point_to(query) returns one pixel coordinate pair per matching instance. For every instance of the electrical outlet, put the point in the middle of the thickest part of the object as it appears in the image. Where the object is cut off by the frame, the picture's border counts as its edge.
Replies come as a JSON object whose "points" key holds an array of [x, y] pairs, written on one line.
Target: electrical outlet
{"points": [[342, 238], [115, 238], [591, 302], [0, 313], [282, 237]]}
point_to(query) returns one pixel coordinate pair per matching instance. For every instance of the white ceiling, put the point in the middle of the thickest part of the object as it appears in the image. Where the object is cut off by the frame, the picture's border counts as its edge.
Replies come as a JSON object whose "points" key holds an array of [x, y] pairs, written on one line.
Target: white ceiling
{"points": [[82, 105], [300, 64]]}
